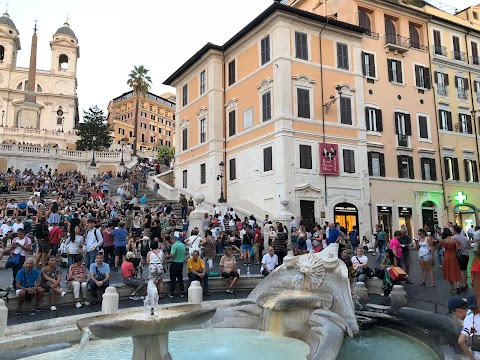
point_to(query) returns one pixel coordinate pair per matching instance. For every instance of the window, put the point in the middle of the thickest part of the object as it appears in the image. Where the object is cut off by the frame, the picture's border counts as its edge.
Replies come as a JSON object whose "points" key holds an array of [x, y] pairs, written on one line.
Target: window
{"points": [[364, 22], [405, 167], [368, 64], [475, 15], [376, 164], [476, 88], [390, 31], [231, 72], [457, 54], [184, 139], [305, 157], [422, 77], [349, 161], [423, 127], [143, 137], [203, 82], [203, 130], [266, 106], [143, 114], [471, 171], [233, 169], [465, 123], [265, 50], [373, 118], [184, 178], [131, 134], [437, 44], [203, 174], [267, 159], [442, 83], [143, 125], [403, 128], [346, 110], [120, 130], [395, 71], [445, 119], [429, 170], [185, 95], [475, 59], [451, 168], [150, 108], [342, 56], [248, 118], [232, 127], [152, 139], [414, 36], [303, 103], [462, 87], [301, 47]]}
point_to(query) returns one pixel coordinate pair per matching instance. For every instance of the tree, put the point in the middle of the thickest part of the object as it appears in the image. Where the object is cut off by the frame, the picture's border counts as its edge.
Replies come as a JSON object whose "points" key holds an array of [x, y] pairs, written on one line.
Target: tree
{"points": [[139, 82], [165, 154], [95, 124]]}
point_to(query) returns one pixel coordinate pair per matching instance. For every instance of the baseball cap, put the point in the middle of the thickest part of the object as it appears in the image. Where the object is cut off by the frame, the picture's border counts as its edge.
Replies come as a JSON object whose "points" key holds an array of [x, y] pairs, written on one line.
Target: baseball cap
{"points": [[471, 301], [455, 303]]}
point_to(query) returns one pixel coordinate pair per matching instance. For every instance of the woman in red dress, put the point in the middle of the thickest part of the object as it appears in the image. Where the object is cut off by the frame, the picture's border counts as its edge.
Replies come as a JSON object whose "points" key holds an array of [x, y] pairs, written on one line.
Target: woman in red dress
{"points": [[475, 276], [450, 268]]}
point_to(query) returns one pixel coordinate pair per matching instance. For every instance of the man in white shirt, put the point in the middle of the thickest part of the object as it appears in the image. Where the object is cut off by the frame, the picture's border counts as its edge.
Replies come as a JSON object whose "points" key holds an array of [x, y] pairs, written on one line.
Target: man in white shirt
{"points": [[6, 226], [269, 262], [470, 232], [468, 312], [476, 238], [220, 220], [12, 208], [93, 242], [17, 225]]}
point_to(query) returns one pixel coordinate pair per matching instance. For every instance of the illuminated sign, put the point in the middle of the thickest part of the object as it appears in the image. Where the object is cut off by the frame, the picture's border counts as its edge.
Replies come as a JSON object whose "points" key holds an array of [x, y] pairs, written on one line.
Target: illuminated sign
{"points": [[460, 197]]}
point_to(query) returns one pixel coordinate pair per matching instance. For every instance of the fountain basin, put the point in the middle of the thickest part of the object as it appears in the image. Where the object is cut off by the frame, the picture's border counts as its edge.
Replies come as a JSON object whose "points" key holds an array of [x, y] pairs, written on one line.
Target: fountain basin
{"points": [[139, 323], [295, 299]]}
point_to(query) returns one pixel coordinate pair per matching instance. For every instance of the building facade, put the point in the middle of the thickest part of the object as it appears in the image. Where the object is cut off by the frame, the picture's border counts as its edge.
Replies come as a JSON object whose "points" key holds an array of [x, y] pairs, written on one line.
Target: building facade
{"points": [[283, 119], [156, 120], [50, 103]]}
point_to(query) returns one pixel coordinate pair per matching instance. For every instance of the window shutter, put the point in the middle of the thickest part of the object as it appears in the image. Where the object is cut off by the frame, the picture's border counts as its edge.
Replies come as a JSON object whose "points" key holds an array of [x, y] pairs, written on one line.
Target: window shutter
{"points": [[460, 128], [466, 84], [381, 157], [370, 167], [417, 75], [433, 170], [364, 69], [428, 81], [456, 81], [396, 123], [448, 175], [303, 100], [456, 174], [465, 167], [440, 120], [475, 171], [231, 123], [372, 65], [267, 159], [410, 168], [408, 125], [436, 38], [445, 79], [233, 169], [422, 165], [367, 118], [469, 124], [399, 164], [390, 72], [456, 44], [348, 161], [422, 122], [399, 71], [346, 110], [449, 121], [435, 77], [378, 114], [305, 157], [475, 85]]}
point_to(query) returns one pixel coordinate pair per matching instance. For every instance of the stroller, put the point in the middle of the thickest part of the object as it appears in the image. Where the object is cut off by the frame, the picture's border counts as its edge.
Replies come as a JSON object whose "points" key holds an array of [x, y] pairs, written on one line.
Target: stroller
{"points": [[63, 254]]}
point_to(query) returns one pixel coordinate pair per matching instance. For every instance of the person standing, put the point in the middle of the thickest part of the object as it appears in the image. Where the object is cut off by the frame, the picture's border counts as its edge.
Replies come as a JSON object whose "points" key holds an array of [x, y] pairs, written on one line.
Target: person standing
{"points": [[246, 247], [450, 268], [20, 245], [381, 237], [280, 243], [333, 234], [353, 236], [177, 256], [406, 243], [120, 241], [425, 256], [93, 242], [108, 245], [470, 232], [396, 247], [184, 204], [463, 249]]}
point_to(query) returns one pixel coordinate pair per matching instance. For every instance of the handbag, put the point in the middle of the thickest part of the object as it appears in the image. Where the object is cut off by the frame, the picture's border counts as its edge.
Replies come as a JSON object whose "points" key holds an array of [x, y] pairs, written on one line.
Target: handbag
{"points": [[474, 339], [12, 261], [397, 273]]}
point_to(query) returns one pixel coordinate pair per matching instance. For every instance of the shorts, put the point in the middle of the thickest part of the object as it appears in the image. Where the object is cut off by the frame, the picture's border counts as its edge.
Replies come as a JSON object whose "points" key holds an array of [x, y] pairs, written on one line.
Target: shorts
{"points": [[256, 249], [120, 251], [463, 261], [28, 297], [302, 247], [232, 274], [247, 247], [43, 247], [47, 286], [426, 257], [155, 272]]}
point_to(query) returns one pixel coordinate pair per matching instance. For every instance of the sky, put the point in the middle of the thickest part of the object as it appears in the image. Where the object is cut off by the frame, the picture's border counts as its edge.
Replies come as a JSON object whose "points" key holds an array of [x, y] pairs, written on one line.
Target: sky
{"points": [[115, 35]]}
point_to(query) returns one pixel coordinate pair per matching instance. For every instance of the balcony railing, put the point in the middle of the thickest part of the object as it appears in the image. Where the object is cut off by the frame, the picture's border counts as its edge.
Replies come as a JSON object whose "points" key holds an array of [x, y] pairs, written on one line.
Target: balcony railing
{"points": [[462, 94], [397, 42], [417, 45], [475, 60], [459, 55], [440, 50], [372, 34], [402, 140], [442, 90], [478, 97]]}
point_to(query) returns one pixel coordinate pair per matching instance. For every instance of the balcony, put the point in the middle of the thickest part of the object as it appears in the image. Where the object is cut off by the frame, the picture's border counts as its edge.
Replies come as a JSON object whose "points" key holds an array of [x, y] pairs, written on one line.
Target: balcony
{"points": [[372, 34], [475, 60], [397, 43], [415, 45], [459, 56], [442, 90], [462, 94], [402, 140], [478, 98], [440, 50]]}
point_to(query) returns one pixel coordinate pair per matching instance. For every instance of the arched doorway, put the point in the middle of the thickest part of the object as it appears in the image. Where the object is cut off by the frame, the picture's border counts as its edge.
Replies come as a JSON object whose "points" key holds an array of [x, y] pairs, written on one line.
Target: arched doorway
{"points": [[429, 215], [465, 216], [346, 215]]}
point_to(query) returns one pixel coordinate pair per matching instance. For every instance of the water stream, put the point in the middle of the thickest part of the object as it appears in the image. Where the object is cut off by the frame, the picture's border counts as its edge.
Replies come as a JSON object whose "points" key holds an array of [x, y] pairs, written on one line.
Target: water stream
{"points": [[151, 300], [86, 336]]}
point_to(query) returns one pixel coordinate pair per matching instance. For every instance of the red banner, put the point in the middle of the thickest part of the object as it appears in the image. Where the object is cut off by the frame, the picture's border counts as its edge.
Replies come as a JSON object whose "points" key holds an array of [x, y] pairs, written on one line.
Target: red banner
{"points": [[329, 159]]}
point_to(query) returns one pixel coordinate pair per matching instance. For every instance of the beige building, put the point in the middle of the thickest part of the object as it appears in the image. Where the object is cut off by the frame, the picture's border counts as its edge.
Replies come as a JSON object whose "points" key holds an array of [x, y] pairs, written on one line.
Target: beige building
{"points": [[42, 105], [156, 120]]}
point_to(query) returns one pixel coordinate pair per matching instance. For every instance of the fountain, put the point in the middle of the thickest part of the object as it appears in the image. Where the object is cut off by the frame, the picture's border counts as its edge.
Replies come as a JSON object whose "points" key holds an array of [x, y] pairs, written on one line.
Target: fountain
{"points": [[149, 328]]}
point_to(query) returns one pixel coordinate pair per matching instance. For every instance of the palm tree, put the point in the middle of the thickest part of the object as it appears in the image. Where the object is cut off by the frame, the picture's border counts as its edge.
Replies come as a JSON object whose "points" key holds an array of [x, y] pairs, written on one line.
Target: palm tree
{"points": [[139, 82]]}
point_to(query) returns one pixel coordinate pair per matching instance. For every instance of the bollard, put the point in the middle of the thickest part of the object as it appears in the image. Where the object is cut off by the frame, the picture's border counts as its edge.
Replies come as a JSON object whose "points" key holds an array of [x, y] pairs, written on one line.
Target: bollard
{"points": [[361, 291], [110, 301], [3, 318], [195, 292], [398, 297], [374, 285]]}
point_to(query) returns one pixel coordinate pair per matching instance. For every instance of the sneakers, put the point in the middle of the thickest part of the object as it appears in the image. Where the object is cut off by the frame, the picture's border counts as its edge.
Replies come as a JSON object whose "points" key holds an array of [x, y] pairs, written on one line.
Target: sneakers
{"points": [[86, 303], [53, 308], [134, 298], [18, 312], [182, 295], [141, 298], [36, 309], [63, 294], [230, 291], [171, 295], [78, 305]]}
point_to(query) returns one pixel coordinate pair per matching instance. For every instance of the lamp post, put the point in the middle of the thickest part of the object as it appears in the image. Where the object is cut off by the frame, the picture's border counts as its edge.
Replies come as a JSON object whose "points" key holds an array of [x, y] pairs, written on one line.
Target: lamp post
{"points": [[93, 163], [220, 177], [122, 142], [3, 114]]}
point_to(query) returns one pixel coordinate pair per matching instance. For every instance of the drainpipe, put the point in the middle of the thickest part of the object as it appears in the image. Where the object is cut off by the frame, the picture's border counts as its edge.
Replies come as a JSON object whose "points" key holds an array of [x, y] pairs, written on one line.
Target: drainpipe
{"points": [[224, 120], [445, 204]]}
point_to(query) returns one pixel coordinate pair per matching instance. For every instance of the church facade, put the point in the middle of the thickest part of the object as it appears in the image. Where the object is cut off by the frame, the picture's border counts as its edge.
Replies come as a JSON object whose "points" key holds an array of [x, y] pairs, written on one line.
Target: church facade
{"points": [[38, 106]]}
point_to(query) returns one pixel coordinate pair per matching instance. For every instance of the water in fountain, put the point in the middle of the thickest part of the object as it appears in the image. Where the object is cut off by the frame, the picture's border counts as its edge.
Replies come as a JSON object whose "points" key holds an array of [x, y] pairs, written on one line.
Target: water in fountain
{"points": [[86, 336], [207, 325], [151, 300]]}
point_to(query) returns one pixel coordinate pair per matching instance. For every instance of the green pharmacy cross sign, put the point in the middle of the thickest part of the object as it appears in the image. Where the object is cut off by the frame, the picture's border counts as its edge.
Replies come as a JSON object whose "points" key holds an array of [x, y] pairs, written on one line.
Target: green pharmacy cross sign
{"points": [[460, 197]]}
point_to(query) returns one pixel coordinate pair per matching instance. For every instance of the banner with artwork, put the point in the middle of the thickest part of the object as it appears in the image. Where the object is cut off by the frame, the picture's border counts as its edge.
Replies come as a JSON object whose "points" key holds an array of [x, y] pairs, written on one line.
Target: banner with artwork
{"points": [[329, 159]]}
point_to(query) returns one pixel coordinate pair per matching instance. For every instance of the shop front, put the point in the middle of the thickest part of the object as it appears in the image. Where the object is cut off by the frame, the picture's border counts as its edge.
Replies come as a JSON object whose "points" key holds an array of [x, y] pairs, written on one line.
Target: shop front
{"points": [[385, 216], [405, 219], [465, 216], [346, 215]]}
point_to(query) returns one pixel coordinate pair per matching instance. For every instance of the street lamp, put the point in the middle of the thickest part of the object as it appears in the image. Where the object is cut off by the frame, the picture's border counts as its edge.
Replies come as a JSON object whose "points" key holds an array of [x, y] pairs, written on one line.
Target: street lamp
{"points": [[93, 163], [122, 142], [3, 114], [63, 120], [220, 177]]}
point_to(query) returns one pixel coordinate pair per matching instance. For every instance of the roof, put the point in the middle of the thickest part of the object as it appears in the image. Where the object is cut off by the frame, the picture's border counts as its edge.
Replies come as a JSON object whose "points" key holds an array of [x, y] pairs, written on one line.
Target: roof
{"points": [[66, 30], [275, 7], [5, 19], [150, 95]]}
